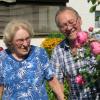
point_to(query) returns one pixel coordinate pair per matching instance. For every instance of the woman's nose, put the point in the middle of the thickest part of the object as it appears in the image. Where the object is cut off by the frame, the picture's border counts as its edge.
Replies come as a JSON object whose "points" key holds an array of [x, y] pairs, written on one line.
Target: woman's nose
{"points": [[25, 43]]}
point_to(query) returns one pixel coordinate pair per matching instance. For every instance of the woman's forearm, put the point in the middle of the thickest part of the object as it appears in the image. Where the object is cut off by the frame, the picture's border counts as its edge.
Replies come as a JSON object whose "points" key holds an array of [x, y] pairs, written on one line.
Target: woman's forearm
{"points": [[55, 85], [1, 91]]}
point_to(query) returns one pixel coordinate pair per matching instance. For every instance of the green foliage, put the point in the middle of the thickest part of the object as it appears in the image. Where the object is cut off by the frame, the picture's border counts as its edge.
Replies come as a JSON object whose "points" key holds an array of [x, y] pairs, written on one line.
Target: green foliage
{"points": [[93, 8], [87, 53], [88, 1], [98, 58], [66, 89], [97, 18], [95, 3], [56, 35], [51, 94], [98, 32]]}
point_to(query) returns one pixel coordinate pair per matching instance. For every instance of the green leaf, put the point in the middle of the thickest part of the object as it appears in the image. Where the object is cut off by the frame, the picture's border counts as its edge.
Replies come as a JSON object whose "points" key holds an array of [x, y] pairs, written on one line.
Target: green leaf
{"points": [[56, 35], [88, 1], [93, 1], [98, 2], [93, 8], [87, 52], [98, 32], [98, 58], [97, 18]]}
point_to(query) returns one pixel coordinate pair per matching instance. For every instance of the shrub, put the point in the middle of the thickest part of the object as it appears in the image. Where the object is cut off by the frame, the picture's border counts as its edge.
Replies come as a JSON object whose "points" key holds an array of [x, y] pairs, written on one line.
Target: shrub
{"points": [[50, 43]]}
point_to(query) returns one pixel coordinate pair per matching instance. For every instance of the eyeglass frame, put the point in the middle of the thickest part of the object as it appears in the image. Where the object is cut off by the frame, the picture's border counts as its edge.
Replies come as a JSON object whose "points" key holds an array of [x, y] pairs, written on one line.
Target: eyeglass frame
{"points": [[68, 24], [21, 41]]}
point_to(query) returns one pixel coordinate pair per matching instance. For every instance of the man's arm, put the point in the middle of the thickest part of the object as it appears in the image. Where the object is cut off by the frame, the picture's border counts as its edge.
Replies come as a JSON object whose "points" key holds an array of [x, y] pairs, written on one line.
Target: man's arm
{"points": [[56, 87]]}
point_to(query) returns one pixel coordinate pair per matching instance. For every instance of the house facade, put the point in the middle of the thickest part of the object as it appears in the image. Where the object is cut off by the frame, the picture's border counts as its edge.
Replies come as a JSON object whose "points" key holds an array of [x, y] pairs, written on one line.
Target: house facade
{"points": [[41, 13]]}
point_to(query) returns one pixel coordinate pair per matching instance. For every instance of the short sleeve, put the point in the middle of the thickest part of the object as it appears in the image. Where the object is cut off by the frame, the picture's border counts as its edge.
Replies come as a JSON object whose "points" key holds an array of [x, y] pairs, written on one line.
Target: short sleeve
{"points": [[48, 69], [57, 65]]}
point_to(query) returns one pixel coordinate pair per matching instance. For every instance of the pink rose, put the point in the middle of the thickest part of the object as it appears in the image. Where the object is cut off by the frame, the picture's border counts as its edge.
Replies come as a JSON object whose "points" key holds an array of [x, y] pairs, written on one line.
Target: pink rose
{"points": [[79, 80], [90, 29], [1, 48], [82, 37], [95, 47]]}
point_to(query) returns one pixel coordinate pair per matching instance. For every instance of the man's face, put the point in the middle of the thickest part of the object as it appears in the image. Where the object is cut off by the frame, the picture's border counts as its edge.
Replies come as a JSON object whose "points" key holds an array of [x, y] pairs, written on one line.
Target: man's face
{"points": [[21, 43], [69, 24]]}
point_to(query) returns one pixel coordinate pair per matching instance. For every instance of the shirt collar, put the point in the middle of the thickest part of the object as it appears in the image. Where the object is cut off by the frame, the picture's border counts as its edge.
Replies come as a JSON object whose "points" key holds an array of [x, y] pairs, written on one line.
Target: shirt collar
{"points": [[65, 44]]}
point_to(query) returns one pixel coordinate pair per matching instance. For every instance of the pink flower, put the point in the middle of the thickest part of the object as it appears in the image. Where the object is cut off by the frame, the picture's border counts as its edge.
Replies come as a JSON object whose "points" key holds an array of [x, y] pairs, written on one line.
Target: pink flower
{"points": [[82, 37], [79, 80], [90, 29], [1, 48], [95, 47]]}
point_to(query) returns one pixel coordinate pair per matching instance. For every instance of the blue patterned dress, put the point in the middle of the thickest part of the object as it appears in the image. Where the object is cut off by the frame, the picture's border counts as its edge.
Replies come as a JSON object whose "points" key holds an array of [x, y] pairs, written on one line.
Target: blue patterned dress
{"points": [[25, 80]]}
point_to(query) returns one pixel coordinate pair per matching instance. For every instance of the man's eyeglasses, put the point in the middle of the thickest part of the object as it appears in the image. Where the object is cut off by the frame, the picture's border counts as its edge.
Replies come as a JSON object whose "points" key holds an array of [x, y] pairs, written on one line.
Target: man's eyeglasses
{"points": [[71, 23]]}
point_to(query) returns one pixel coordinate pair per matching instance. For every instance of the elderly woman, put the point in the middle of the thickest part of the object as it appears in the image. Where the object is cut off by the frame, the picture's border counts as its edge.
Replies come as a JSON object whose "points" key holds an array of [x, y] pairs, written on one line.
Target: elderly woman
{"points": [[23, 67]]}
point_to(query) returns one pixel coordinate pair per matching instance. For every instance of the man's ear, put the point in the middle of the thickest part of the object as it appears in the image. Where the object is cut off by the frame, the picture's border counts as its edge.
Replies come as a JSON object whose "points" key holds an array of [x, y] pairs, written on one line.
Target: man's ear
{"points": [[80, 20]]}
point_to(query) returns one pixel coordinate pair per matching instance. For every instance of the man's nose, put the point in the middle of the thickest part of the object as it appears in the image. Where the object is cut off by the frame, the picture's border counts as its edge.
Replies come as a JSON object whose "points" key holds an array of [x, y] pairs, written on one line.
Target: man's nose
{"points": [[69, 27]]}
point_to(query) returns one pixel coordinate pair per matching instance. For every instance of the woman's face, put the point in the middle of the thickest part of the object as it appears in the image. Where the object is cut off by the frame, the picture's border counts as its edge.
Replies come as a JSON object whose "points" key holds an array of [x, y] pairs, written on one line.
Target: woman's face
{"points": [[69, 24], [21, 43]]}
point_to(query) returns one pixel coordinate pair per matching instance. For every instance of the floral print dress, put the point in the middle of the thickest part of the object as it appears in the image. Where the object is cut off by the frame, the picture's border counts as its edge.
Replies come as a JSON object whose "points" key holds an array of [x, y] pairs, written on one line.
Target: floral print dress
{"points": [[25, 80]]}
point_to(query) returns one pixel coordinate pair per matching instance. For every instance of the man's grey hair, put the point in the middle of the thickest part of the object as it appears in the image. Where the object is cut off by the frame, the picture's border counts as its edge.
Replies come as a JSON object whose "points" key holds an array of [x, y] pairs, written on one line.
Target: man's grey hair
{"points": [[62, 9]]}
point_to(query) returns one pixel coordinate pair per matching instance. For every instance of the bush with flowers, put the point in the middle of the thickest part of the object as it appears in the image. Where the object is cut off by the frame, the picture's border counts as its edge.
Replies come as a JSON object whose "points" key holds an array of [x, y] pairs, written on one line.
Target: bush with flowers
{"points": [[51, 41], [91, 81]]}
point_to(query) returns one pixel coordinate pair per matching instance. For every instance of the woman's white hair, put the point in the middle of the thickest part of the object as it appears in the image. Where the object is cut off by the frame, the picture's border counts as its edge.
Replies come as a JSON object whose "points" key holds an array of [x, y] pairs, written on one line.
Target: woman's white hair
{"points": [[11, 29]]}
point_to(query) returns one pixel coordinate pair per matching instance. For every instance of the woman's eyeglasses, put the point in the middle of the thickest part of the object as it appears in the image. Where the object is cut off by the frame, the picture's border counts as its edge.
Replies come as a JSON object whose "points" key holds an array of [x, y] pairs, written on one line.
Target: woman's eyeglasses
{"points": [[21, 41]]}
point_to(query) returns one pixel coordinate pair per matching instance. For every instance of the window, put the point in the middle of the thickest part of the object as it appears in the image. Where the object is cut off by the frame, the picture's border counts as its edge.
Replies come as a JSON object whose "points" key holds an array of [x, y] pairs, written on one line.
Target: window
{"points": [[41, 17], [97, 19]]}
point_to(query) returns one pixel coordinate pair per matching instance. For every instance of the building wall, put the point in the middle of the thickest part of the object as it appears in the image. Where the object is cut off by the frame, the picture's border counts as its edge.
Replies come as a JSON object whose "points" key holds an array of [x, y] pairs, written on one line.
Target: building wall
{"points": [[82, 6]]}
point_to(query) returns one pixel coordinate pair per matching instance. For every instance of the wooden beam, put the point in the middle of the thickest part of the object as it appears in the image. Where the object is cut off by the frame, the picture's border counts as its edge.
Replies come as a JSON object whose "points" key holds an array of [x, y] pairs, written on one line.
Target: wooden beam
{"points": [[37, 2]]}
